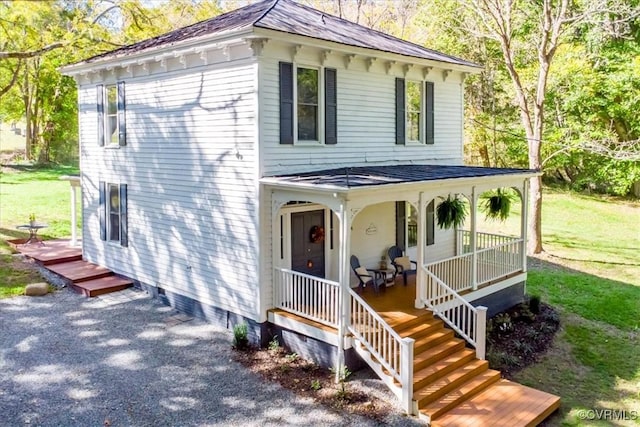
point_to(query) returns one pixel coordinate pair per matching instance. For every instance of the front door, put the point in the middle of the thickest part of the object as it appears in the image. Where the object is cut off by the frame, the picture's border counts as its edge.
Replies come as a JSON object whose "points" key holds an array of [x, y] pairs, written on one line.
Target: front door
{"points": [[307, 242]]}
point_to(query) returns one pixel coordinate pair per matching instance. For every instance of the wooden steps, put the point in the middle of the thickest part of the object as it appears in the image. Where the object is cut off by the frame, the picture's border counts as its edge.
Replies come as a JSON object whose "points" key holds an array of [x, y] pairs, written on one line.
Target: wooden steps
{"points": [[83, 277], [90, 279], [451, 387], [101, 286]]}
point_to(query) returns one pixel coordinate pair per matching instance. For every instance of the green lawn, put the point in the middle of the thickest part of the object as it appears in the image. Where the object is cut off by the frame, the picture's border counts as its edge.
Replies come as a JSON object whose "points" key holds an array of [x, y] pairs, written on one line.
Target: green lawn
{"points": [[591, 274], [26, 190]]}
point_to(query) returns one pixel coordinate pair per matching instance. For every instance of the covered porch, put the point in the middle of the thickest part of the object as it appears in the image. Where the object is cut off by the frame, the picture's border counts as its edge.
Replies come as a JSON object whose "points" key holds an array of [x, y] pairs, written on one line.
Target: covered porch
{"points": [[400, 330]]}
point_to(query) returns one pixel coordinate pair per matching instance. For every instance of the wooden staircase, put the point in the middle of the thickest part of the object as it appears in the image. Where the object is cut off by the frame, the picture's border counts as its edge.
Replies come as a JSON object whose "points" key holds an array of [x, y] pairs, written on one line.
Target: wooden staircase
{"points": [[83, 277], [452, 387], [90, 279]]}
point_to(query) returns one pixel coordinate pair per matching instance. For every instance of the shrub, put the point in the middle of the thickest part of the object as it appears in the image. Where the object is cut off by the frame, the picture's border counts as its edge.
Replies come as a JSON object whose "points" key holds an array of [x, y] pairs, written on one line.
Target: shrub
{"points": [[240, 336], [315, 385], [274, 344], [534, 304]]}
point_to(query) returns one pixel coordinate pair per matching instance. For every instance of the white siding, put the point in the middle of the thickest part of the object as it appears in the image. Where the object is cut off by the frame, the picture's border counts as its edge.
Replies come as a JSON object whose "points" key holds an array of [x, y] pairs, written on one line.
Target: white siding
{"points": [[190, 165], [366, 117]]}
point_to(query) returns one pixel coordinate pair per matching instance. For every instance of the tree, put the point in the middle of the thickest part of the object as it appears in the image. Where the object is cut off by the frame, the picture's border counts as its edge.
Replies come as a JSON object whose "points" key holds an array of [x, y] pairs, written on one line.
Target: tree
{"points": [[521, 30]]}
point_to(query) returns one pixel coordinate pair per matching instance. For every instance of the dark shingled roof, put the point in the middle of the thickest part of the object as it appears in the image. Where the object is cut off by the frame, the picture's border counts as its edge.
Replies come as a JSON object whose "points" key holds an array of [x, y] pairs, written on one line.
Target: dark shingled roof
{"points": [[289, 17], [396, 174]]}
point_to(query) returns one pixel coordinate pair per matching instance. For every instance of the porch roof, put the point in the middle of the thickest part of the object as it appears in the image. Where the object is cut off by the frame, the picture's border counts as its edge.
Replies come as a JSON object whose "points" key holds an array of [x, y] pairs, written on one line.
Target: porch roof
{"points": [[367, 176]]}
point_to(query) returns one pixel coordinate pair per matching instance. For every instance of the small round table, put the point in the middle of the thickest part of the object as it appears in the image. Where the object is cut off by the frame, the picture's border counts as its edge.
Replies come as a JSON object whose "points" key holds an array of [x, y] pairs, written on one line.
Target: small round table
{"points": [[33, 232]]}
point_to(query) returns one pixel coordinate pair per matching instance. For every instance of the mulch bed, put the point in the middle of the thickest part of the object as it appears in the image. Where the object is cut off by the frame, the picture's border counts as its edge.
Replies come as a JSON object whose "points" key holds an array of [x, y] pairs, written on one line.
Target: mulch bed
{"points": [[517, 338], [312, 381]]}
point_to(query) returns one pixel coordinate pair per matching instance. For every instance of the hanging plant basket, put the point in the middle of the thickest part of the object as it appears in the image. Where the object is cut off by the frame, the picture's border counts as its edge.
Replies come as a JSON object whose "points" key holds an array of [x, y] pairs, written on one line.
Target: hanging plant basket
{"points": [[497, 205], [451, 212]]}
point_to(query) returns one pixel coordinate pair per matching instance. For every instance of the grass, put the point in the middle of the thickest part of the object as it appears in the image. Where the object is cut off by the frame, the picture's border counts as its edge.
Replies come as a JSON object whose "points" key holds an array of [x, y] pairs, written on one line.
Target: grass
{"points": [[591, 274], [25, 190]]}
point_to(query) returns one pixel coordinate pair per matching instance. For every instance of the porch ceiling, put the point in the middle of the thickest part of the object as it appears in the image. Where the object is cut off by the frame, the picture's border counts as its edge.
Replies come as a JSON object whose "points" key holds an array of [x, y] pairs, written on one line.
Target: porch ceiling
{"points": [[342, 179]]}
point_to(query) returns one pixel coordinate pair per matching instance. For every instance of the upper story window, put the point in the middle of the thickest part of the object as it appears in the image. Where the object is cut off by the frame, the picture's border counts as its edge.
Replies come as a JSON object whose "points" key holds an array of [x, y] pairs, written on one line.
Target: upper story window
{"points": [[111, 115], [307, 85], [414, 112], [308, 104]]}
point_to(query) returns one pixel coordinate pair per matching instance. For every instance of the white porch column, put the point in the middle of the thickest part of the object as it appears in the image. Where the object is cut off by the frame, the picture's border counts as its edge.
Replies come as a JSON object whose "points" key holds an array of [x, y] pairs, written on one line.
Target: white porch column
{"points": [[345, 276], [74, 219], [473, 240], [74, 184], [523, 222], [420, 280]]}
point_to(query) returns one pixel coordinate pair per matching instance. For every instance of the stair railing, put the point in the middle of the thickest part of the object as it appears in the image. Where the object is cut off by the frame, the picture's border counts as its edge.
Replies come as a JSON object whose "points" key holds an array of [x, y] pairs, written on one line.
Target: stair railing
{"points": [[468, 321], [393, 353]]}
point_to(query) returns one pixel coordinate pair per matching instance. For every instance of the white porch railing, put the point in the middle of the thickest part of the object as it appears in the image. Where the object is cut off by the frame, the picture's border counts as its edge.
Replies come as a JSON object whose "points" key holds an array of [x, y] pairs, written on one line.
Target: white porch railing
{"points": [[492, 264], [388, 348], [456, 272], [499, 261], [308, 296], [483, 241], [468, 321]]}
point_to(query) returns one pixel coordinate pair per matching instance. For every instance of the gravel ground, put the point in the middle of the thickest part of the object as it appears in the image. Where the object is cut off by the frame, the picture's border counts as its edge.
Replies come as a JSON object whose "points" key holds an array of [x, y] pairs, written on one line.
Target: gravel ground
{"points": [[126, 360]]}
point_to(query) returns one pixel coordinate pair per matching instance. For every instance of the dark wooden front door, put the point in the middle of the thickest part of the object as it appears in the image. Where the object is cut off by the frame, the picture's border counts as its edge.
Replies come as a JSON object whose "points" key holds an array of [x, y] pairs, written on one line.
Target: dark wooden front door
{"points": [[307, 256]]}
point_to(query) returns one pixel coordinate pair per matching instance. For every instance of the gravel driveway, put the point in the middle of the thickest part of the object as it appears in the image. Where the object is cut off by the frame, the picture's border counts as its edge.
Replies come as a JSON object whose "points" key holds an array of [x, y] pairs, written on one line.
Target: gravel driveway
{"points": [[126, 360]]}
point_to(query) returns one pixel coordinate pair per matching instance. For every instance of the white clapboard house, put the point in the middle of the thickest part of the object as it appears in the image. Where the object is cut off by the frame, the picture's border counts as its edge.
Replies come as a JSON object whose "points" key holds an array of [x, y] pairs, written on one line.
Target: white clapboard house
{"points": [[233, 167]]}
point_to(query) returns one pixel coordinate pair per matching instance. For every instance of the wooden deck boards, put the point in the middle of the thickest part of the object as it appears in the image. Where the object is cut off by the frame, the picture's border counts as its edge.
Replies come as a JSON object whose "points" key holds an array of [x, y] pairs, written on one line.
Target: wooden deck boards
{"points": [[504, 404], [78, 271], [52, 252]]}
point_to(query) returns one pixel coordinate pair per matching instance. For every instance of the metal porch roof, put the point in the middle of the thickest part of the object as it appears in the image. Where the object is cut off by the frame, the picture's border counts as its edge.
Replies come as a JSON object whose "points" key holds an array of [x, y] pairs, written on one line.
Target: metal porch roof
{"points": [[364, 176]]}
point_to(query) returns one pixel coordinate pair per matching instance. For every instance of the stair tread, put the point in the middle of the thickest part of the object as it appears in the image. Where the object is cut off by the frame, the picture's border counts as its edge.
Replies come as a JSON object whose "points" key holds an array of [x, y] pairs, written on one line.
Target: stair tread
{"points": [[411, 328], [436, 335], [448, 345], [77, 271], [104, 282], [463, 392], [440, 367], [451, 378]]}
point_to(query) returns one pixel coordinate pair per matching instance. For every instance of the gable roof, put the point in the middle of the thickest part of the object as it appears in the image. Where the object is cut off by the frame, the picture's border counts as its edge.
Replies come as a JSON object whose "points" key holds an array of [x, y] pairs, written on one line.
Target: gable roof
{"points": [[290, 17], [366, 176]]}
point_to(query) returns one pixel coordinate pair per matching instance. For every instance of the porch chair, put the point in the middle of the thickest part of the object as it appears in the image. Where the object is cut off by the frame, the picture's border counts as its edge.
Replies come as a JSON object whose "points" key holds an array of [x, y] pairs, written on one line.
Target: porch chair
{"points": [[402, 264], [365, 277]]}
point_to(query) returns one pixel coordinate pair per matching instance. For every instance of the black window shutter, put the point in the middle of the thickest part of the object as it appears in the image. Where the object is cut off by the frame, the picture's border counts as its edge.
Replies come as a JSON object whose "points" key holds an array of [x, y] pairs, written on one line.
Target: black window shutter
{"points": [[431, 228], [124, 236], [286, 103], [102, 210], [400, 112], [429, 112], [122, 125], [100, 109], [401, 220], [330, 106]]}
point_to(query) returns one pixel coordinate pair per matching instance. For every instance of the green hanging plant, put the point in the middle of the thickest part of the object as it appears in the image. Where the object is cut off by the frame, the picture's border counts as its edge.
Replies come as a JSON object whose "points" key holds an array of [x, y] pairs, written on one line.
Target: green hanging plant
{"points": [[497, 205], [451, 212]]}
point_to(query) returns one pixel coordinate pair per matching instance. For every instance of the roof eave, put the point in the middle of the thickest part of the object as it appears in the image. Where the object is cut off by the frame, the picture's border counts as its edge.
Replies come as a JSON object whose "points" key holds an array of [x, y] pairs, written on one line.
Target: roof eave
{"points": [[152, 52], [365, 52]]}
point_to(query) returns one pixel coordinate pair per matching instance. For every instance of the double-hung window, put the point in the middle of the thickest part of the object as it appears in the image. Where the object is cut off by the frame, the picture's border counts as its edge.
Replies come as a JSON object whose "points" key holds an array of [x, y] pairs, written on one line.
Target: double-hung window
{"points": [[414, 112], [308, 104], [113, 213], [111, 115]]}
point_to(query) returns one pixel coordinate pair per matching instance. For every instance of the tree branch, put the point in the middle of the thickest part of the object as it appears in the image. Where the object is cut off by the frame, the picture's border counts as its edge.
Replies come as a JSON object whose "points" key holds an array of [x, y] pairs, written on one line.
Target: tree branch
{"points": [[31, 53]]}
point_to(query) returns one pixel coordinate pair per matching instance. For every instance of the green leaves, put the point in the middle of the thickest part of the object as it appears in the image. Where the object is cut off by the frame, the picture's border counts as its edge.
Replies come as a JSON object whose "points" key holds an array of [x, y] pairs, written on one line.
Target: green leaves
{"points": [[451, 212]]}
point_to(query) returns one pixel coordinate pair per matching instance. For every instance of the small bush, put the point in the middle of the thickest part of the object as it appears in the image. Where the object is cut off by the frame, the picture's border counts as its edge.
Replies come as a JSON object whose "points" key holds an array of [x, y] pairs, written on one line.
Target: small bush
{"points": [[502, 322], [534, 304], [315, 385], [274, 344], [240, 336]]}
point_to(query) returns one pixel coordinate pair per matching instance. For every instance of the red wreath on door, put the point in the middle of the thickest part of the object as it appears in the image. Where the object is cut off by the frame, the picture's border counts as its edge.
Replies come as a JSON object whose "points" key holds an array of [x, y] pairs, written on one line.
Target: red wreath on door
{"points": [[316, 234]]}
